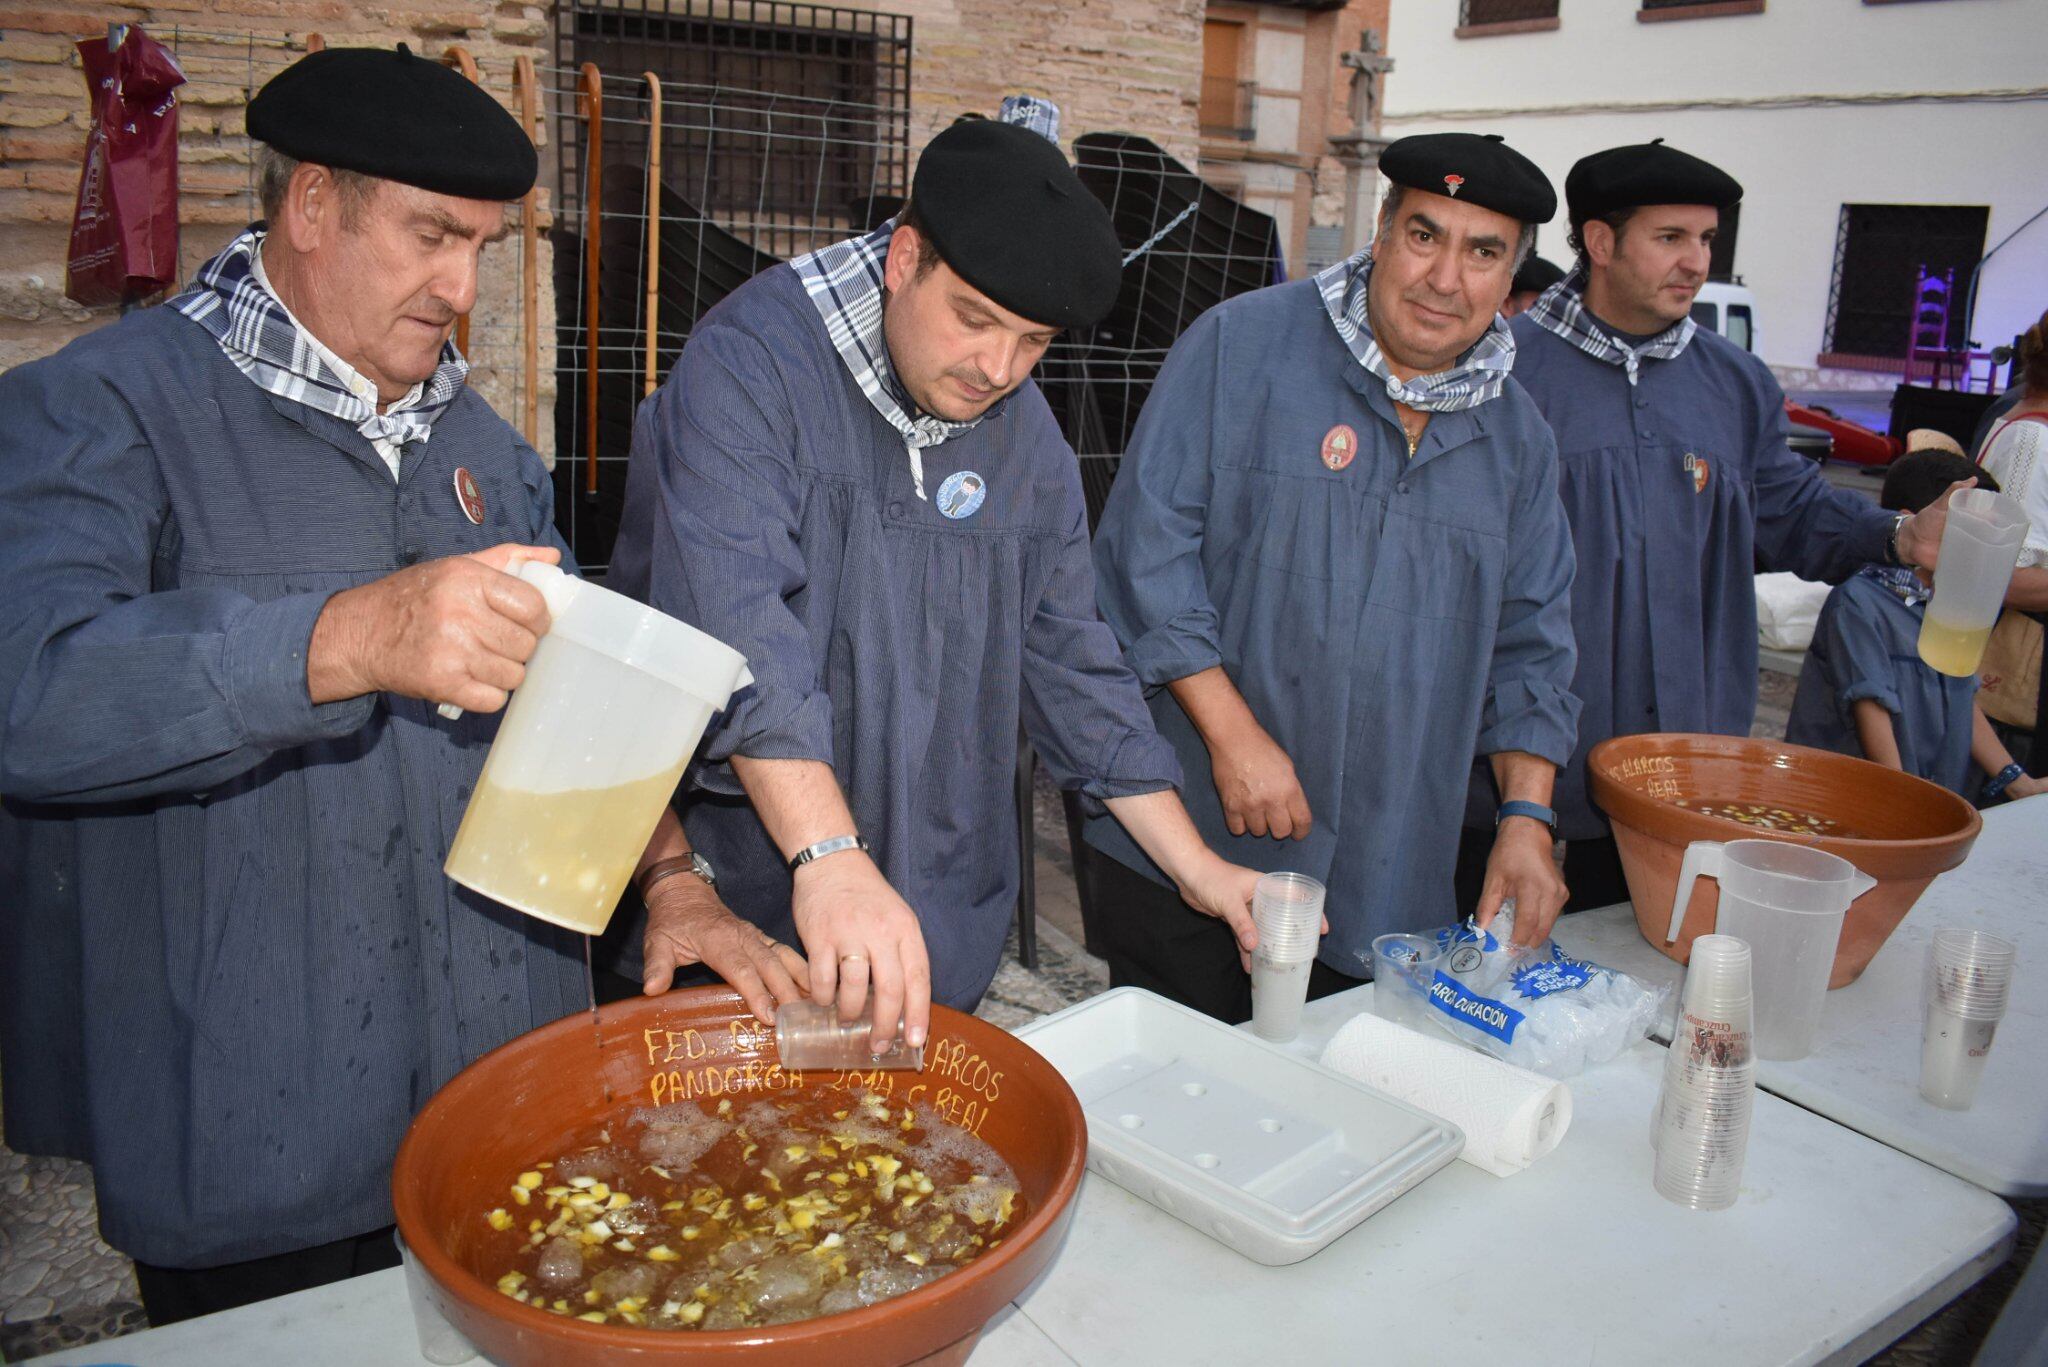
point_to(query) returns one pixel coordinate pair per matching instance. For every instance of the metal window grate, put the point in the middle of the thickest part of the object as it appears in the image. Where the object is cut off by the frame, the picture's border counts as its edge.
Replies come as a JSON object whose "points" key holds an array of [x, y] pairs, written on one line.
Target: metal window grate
{"points": [[783, 127], [1229, 108]]}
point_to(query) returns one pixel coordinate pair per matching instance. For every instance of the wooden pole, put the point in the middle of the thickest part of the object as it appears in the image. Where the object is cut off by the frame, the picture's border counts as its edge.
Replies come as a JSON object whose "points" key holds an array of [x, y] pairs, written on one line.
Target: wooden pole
{"points": [[463, 62], [529, 255], [592, 99], [653, 302]]}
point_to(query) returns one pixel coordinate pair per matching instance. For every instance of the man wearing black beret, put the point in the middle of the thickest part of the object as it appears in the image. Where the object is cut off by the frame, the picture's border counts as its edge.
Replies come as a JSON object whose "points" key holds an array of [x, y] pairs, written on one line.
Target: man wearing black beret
{"points": [[1532, 277], [1335, 551], [1676, 477], [252, 538], [851, 479]]}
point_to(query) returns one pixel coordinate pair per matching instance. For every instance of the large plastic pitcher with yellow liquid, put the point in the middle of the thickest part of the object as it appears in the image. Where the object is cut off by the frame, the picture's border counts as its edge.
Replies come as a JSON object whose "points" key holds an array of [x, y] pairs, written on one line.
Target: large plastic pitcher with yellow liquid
{"points": [[615, 699], [1979, 547]]}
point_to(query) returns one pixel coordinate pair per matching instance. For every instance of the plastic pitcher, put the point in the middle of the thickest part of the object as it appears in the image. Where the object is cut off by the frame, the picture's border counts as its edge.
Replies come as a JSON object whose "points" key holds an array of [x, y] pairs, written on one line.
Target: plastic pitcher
{"points": [[615, 699], [1788, 903], [1979, 547]]}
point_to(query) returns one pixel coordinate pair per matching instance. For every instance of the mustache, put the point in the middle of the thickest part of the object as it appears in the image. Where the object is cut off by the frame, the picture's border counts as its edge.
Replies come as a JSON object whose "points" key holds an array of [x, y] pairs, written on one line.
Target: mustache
{"points": [[1440, 303], [974, 377]]}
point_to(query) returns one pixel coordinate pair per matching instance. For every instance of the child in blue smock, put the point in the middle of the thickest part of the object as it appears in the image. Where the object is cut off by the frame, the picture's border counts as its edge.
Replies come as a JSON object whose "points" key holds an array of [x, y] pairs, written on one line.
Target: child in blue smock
{"points": [[1864, 690]]}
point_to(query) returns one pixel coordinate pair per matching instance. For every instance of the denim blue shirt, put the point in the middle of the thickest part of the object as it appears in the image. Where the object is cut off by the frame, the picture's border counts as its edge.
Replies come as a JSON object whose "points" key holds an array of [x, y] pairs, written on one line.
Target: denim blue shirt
{"points": [[770, 504], [231, 968], [1679, 490], [1386, 620], [1866, 644]]}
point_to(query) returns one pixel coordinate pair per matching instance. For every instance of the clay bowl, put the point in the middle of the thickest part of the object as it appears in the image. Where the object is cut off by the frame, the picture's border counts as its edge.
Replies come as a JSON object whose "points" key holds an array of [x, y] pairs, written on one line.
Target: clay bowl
{"points": [[543, 1093], [1909, 829]]}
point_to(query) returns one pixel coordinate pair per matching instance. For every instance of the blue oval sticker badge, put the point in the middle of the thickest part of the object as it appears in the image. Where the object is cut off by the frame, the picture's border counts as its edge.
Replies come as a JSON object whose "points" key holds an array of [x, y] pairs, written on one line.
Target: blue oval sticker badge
{"points": [[962, 494]]}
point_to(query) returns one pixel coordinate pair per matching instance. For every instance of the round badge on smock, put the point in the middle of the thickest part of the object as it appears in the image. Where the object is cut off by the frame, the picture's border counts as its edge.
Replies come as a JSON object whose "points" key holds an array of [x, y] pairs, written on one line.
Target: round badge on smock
{"points": [[469, 496], [1340, 445], [962, 494]]}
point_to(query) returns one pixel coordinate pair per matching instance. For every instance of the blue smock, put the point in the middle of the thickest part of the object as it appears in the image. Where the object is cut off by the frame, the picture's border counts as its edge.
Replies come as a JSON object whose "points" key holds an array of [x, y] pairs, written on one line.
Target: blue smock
{"points": [[1866, 644], [233, 967], [770, 504], [1385, 621], [1680, 489]]}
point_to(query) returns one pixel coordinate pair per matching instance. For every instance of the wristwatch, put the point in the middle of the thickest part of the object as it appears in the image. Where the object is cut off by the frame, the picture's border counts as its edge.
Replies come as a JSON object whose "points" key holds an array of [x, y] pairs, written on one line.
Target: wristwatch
{"points": [[692, 862], [1891, 542], [824, 847], [1516, 806]]}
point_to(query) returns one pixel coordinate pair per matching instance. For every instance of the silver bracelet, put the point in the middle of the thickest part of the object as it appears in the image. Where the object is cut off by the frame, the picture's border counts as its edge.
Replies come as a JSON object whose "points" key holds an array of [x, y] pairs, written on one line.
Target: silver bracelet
{"points": [[825, 847]]}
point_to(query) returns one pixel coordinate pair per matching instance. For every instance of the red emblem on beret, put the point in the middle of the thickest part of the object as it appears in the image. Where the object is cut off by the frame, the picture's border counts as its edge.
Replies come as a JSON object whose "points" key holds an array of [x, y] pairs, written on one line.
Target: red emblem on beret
{"points": [[1452, 184]]}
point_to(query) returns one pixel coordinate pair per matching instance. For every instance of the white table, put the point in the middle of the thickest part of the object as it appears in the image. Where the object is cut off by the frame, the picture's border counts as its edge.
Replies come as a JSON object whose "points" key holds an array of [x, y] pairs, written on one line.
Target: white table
{"points": [[1864, 1071], [1837, 1246]]}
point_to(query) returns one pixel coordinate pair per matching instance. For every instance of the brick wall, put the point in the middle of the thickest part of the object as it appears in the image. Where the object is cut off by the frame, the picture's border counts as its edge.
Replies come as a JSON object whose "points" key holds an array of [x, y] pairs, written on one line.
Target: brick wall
{"points": [[228, 48], [1112, 65]]}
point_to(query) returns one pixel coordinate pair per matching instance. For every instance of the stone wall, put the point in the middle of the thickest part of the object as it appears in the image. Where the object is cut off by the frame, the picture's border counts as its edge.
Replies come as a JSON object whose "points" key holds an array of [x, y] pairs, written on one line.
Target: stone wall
{"points": [[228, 48]]}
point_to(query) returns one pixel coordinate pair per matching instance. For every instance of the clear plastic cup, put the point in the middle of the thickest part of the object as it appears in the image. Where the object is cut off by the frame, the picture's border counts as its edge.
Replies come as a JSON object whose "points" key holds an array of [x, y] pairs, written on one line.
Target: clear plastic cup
{"points": [[1788, 903], [810, 1035], [1980, 544], [1287, 909], [1279, 990], [1700, 1129], [1403, 967], [440, 1341], [1969, 978]]}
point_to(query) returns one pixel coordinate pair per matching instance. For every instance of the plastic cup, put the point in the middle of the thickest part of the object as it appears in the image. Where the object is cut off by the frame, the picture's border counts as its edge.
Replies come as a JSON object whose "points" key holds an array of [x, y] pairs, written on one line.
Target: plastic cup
{"points": [[1788, 903], [810, 1035], [1279, 990], [1287, 909], [1969, 978], [1403, 967], [1980, 544], [614, 701], [1700, 1130], [440, 1341]]}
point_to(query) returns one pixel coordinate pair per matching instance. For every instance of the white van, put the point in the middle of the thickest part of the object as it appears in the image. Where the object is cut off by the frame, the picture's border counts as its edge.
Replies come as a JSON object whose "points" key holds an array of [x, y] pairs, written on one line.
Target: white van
{"points": [[1729, 310]]}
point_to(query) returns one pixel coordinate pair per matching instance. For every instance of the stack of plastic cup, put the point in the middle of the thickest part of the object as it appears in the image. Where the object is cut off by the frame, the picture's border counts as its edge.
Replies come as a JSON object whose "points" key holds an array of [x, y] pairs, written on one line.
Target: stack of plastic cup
{"points": [[1702, 1132], [1403, 967], [1287, 909], [1969, 975]]}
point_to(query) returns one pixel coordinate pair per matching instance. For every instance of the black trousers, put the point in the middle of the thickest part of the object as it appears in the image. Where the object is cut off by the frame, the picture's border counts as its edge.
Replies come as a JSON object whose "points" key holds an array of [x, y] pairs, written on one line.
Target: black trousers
{"points": [[1592, 872], [171, 1294], [1154, 940]]}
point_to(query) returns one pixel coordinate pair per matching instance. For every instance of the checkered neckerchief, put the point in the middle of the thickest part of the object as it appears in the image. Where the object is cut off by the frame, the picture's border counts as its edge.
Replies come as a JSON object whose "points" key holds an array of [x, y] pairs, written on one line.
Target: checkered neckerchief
{"points": [[257, 334], [1480, 374], [1562, 309], [844, 281]]}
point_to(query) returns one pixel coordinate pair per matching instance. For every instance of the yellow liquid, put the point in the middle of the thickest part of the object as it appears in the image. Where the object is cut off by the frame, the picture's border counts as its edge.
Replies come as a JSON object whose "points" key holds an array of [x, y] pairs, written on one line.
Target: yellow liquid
{"points": [[1952, 650], [564, 856]]}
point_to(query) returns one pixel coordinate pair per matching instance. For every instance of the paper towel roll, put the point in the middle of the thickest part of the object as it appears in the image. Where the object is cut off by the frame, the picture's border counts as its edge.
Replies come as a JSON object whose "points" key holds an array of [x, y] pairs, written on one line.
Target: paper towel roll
{"points": [[1511, 1117]]}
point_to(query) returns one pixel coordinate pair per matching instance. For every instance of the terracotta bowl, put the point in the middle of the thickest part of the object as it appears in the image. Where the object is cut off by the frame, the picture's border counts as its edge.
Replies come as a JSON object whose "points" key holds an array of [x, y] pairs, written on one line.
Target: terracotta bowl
{"points": [[1908, 829], [546, 1092]]}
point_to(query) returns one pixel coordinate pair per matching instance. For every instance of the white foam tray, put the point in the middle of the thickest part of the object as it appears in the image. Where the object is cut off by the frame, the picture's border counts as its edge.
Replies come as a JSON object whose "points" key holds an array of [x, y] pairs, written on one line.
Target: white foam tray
{"points": [[1271, 1154]]}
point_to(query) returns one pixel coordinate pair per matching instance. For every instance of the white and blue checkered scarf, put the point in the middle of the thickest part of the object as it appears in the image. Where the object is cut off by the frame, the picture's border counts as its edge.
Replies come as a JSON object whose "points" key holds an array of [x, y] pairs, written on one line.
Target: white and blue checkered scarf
{"points": [[1480, 374], [844, 281], [1562, 309], [259, 336]]}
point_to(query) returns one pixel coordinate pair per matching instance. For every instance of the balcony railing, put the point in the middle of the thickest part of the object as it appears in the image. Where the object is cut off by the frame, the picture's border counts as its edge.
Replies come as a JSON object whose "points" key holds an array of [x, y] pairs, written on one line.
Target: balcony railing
{"points": [[1228, 108]]}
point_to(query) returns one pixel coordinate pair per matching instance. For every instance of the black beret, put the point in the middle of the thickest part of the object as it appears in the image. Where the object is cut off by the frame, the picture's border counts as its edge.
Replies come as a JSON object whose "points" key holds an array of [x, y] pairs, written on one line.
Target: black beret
{"points": [[1013, 220], [1644, 173], [398, 117], [1477, 168], [1536, 274]]}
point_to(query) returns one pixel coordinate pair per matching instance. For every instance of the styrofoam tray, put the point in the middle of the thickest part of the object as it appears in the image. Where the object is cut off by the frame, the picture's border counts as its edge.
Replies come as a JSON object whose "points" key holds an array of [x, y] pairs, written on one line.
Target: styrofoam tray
{"points": [[1269, 1153]]}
